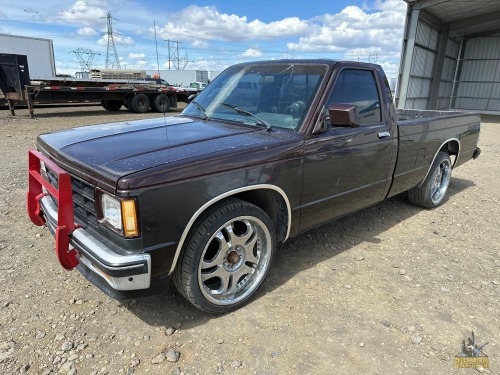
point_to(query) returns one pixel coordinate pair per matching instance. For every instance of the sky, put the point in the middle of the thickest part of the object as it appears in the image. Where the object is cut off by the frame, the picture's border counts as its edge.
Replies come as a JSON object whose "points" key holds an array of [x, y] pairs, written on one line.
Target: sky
{"points": [[212, 34]]}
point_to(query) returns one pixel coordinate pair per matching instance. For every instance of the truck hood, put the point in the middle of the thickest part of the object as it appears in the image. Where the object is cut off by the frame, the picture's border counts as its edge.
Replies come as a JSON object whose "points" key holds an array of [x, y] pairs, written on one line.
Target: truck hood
{"points": [[103, 154]]}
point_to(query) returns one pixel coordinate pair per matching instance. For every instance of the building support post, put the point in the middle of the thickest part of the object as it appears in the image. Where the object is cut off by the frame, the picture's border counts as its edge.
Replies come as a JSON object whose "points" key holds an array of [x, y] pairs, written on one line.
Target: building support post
{"points": [[437, 69], [405, 68]]}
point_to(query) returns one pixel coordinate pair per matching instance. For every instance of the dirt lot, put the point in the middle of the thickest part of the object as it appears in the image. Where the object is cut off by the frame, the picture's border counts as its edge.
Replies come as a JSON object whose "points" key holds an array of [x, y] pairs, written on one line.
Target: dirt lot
{"points": [[393, 289]]}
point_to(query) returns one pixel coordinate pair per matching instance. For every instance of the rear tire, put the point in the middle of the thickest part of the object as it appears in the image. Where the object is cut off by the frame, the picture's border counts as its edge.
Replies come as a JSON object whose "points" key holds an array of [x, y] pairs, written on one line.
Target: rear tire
{"points": [[140, 103], [226, 257], [161, 103], [432, 192]]}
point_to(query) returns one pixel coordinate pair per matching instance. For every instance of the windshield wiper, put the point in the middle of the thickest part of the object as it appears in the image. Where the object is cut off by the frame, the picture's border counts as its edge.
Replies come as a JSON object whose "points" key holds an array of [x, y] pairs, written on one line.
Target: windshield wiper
{"points": [[202, 110], [246, 113]]}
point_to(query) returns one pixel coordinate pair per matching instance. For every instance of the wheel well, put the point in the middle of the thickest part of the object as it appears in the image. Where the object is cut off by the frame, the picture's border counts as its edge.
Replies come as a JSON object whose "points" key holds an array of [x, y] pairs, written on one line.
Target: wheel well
{"points": [[451, 148], [273, 204], [267, 199]]}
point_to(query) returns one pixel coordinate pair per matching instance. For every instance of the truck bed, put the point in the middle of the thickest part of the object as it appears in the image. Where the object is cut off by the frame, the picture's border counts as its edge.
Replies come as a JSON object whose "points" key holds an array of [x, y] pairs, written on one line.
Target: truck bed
{"points": [[422, 135]]}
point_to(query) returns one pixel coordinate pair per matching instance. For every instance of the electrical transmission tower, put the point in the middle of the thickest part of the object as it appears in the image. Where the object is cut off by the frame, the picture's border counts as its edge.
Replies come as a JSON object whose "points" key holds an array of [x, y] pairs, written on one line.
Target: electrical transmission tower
{"points": [[85, 57], [174, 57], [112, 60], [173, 53]]}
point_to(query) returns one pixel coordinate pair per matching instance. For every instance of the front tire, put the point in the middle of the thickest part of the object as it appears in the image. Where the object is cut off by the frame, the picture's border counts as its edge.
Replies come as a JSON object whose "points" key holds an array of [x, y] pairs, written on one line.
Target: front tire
{"points": [[432, 192], [227, 257]]}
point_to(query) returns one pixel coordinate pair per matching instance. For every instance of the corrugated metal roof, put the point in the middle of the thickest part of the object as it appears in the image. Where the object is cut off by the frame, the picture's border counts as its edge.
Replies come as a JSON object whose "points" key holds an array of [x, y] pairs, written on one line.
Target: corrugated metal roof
{"points": [[466, 17]]}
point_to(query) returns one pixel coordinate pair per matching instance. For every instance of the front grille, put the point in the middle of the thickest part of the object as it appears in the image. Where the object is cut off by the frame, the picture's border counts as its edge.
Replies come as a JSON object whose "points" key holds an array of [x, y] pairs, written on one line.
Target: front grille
{"points": [[52, 178], [83, 200], [83, 197]]}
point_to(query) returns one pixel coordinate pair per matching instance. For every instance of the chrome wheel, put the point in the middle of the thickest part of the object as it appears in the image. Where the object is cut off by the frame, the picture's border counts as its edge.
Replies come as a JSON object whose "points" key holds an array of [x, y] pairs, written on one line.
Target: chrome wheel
{"points": [[432, 191], [440, 181], [227, 256], [235, 260]]}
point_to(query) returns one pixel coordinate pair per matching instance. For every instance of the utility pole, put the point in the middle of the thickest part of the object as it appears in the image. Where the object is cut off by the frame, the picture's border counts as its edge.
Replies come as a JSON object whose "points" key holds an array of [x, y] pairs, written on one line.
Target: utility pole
{"points": [[156, 46], [112, 60]]}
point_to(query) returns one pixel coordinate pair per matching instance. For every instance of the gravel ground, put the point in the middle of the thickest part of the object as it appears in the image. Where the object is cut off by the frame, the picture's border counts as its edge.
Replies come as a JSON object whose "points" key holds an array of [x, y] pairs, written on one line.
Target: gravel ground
{"points": [[393, 289]]}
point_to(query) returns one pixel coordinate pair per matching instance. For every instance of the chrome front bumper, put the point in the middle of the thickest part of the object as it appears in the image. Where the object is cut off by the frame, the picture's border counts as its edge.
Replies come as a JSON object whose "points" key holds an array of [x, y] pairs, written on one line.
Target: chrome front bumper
{"points": [[120, 272]]}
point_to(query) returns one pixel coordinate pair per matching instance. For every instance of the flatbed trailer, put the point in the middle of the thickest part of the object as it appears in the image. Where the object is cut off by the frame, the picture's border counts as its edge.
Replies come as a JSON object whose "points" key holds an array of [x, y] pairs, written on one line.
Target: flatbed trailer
{"points": [[18, 89]]}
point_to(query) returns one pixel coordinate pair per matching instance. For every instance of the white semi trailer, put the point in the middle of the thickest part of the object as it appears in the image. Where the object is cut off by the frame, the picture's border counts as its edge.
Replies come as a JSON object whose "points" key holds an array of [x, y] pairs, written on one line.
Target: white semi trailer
{"points": [[40, 53]]}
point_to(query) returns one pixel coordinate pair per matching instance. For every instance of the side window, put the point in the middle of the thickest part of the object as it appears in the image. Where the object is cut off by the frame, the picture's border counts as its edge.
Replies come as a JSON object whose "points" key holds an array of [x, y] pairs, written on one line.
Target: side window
{"points": [[358, 87]]}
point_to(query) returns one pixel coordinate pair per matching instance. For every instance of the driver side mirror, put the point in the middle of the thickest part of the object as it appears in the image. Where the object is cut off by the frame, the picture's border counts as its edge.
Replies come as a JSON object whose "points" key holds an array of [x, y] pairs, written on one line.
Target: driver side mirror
{"points": [[345, 115], [339, 115]]}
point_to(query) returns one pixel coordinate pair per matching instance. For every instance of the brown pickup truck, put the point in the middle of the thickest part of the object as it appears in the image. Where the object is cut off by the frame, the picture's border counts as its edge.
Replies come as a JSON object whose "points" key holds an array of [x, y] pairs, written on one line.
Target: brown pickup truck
{"points": [[207, 195]]}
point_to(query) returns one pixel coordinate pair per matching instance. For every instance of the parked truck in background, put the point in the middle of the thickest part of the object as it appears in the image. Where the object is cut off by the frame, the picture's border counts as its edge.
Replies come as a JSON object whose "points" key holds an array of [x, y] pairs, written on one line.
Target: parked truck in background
{"points": [[206, 196], [199, 86]]}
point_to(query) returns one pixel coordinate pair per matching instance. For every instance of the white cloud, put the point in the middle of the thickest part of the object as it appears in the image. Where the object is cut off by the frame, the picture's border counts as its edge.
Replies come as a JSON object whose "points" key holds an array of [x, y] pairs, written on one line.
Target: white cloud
{"points": [[391, 68], [136, 56], [252, 52], [353, 27], [390, 5], [195, 23], [85, 12], [200, 44], [118, 38], [87, 31]]}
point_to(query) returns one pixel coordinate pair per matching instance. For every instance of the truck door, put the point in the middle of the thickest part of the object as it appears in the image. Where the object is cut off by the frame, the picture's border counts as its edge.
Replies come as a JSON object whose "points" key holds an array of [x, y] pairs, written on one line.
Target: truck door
{"points": [[345, 168]]}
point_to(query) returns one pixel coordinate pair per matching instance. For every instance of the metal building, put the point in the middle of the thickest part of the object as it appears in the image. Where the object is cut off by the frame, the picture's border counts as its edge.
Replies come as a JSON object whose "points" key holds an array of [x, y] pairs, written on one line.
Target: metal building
{"points": [[451, 56]]}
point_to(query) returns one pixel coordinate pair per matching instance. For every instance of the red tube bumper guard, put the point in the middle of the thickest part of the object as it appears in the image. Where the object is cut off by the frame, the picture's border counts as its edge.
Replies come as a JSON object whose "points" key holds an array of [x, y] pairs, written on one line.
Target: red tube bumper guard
{"points": [[64, 196]]}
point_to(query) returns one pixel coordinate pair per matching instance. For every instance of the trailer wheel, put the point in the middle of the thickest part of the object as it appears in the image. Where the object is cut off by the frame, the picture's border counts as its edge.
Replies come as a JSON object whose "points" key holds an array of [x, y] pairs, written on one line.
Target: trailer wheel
{"points": [[161, 103], [113, 105], [104, 104], [140, 103]]}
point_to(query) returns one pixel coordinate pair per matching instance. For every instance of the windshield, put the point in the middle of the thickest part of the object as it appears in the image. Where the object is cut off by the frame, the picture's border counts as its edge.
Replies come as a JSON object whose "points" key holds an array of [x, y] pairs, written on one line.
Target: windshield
{"points": [[277, 95]]}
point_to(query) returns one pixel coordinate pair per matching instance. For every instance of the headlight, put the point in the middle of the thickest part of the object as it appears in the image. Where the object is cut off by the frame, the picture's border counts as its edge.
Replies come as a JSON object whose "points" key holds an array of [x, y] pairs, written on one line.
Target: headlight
{"points": [[111, 211], [121, 215], [43, 173]]}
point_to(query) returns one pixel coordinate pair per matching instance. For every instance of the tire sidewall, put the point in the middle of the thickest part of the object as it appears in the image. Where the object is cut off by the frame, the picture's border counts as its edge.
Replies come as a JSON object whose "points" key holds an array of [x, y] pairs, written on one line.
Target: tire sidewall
{"points": [[157, 103], [442, 156]]}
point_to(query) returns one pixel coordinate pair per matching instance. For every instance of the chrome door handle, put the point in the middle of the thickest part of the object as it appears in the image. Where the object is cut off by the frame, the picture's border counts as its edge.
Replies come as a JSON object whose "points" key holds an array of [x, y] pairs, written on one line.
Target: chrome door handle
{"points": [[384, 135]]}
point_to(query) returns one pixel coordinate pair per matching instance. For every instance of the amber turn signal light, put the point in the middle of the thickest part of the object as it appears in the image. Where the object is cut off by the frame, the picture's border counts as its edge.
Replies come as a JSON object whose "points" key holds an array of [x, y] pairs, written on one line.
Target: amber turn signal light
{"points": [[129, 216]]}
